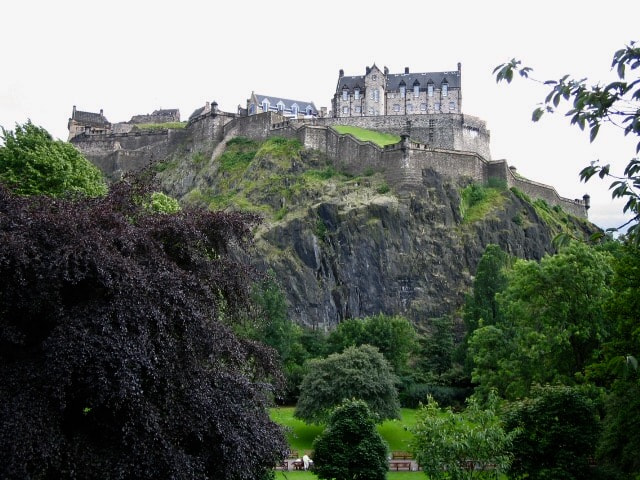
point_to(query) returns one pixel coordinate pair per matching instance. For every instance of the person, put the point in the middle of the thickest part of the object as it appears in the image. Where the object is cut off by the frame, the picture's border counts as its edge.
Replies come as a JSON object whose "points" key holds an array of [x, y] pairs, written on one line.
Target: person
{"points": [[307, 461]]}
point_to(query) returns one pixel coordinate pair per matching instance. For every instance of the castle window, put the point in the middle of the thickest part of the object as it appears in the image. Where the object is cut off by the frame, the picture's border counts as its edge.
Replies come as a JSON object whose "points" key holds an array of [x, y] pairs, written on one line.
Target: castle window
{"points": [[265, 105], [430, 89], [356, 94], [409, 108], [423, 107], [345, 94], [396, 107], [374, 77], [437, 107], [294, 109], [376, 94], [445, 89], [280, 107], [345, 109], [309, 111], [403, 91], [358, 109], [416, 90], [452, 105]]}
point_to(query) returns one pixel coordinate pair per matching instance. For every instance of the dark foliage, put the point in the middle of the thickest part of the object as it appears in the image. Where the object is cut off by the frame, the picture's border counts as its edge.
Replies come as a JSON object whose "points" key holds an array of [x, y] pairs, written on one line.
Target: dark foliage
{"points": [[350, 448], [113, 361]]}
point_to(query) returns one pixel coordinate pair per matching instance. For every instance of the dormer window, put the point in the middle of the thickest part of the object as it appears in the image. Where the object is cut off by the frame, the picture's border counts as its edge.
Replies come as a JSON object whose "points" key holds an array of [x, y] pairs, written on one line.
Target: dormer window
{"points": [[294, 109], [445, 89], [416, 89], [430, 89], [265, 105], [345, 94], [403, 89], [280, 106], [356, 94]]}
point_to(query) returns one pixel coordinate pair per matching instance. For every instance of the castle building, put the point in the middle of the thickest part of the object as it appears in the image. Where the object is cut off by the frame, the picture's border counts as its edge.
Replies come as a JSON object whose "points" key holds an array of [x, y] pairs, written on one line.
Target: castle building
{"points": [[285, 107], [379, 92], [87, 122]]}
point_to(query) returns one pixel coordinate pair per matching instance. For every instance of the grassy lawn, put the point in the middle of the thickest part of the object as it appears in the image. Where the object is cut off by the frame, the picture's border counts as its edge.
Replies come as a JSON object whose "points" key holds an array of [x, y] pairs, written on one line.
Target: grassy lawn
{"points": [[301, 435], [295, 475], [380, 139]]}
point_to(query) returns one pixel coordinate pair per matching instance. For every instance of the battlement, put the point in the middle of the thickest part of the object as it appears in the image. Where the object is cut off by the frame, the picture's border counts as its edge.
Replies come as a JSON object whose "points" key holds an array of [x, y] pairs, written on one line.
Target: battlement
{"points": [[456, 146]]}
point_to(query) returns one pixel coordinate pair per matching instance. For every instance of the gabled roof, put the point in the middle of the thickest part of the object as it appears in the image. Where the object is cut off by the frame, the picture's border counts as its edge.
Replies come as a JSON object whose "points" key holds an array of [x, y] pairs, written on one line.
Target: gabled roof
{"points": [[394, 79], [288, 103], [197, 112], [90, 118]]}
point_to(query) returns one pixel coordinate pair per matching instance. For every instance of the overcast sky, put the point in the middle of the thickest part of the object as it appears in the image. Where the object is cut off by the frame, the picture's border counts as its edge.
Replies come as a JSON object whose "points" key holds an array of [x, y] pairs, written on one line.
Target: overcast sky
{"points": [[133, 57]]}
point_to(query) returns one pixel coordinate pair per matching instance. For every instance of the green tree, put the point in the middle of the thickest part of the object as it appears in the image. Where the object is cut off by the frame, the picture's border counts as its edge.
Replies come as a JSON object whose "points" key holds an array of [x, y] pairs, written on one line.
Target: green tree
{"points": [[350, 447], [32, 163], [555, 434], [617, 103], [394, 336], [162, 203], [357, 373], [466, 445], [553, 325]]}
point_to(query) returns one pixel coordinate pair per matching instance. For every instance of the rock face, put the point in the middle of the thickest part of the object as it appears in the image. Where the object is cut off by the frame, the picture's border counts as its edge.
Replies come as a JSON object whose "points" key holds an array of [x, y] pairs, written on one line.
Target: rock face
{"points": [[346, 247]]}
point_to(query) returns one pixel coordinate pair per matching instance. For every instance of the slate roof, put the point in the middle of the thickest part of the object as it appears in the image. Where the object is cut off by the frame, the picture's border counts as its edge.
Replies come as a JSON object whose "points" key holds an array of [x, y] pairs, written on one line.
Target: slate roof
{"points": [[288, 103], [90, 118], [196, 112], [394, 79]]}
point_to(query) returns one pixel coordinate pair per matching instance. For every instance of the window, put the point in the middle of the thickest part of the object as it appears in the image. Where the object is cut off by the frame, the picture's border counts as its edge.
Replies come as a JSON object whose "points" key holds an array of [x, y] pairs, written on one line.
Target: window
{"points": [[416, 90], [409, 108], [345, 109], [430, 89], [437, 107], [396, 107], [403, 91], [356, 94], [376, 94], [374, 77], [358, 109], [423, 107], [345, 94], [445, 89], [265, 106], [280, 107], [294, 109], [309, 111], [452, 105]]}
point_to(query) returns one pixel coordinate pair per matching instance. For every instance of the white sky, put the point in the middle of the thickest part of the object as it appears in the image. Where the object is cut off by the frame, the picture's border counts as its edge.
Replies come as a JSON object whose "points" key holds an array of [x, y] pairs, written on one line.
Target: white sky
{"points": [[133, 57]]}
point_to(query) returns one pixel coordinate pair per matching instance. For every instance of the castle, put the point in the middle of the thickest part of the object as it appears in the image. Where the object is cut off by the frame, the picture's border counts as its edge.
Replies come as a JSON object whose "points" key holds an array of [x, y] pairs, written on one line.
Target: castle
{"points": [[444, 140]]}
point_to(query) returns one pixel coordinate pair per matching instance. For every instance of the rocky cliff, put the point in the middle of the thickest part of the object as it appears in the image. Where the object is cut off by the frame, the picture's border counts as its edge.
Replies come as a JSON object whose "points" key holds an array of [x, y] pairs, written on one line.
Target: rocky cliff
{"points": [[349, 246]]}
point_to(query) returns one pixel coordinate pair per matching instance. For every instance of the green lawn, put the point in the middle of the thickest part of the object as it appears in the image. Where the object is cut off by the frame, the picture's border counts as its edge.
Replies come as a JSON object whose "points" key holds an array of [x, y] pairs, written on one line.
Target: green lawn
{"points": [[301, 435], [296, 475], [365, 135]]}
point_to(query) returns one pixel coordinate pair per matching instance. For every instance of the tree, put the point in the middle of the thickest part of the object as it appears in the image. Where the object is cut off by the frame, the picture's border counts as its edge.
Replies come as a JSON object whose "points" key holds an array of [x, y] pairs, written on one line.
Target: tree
{"points": [[394, 336], [357, 373], [350, 447], [466, 445], [113, 359], [553, 325], [32, 163], [162, 203], [617, 103], [555, 434]]}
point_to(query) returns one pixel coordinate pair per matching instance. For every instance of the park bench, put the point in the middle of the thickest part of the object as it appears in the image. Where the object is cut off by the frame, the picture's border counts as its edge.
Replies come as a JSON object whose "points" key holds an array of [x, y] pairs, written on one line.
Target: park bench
{"points": [[298, 465], [398, 455], [284, 465], [397, 466]]}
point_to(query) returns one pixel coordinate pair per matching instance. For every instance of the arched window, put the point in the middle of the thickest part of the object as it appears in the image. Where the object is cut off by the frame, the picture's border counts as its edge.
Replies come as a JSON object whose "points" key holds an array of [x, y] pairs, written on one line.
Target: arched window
{"points": [[309, 110], [430, 89], [445, 89], [416, 89], [403, 89]]}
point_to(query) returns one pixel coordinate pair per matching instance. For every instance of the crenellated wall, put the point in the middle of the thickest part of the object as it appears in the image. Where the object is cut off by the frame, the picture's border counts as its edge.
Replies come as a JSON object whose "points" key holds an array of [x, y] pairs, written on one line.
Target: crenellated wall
{"points": [[455, 146]]}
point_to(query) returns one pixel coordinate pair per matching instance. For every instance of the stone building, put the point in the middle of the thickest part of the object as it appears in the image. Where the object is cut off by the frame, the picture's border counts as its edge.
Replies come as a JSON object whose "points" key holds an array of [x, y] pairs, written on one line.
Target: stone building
{"points": [[379, 92], [158, 116], [87, 122], [287, 108]]}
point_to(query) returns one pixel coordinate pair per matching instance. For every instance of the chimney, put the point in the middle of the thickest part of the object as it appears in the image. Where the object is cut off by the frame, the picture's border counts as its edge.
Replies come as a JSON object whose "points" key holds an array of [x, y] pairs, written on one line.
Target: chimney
{"points": [[73, 113], [459, 67], [386, 71], [406, 70], [101, 112], [341, 74]]}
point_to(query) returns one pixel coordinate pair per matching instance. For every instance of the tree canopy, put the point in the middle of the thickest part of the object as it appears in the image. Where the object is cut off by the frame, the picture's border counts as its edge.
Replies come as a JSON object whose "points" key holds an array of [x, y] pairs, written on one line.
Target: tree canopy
{"points": [[616, 103], [350, 447], [32, 163], [356, 373], [113, 359]]}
